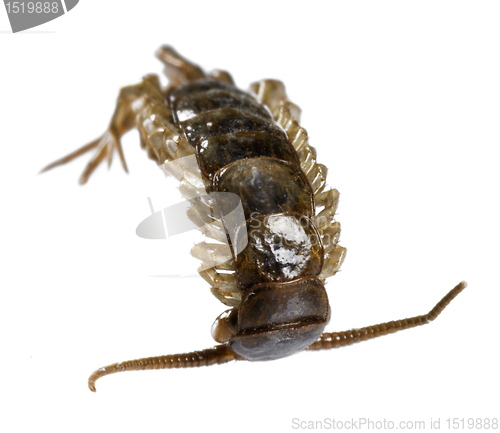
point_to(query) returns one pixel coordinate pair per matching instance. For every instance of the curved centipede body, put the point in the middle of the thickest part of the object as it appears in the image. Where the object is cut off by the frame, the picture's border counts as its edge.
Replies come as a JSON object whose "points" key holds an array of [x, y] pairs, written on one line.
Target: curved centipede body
{"points": [[234, 150]]}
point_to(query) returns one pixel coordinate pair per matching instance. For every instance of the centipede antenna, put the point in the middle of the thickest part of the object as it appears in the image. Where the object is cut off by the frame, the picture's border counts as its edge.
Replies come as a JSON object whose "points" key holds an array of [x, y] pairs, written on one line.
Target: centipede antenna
{"points": [[220, 354], [333, 340]]}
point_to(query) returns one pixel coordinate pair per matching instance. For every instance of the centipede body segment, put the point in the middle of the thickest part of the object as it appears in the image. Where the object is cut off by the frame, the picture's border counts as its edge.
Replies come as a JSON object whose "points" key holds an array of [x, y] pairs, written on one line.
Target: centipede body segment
{"points": [[270, 265]]}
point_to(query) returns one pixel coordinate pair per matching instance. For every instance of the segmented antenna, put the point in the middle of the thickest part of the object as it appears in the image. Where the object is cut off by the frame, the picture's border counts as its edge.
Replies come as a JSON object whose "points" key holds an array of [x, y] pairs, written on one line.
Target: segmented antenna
{"points": [[332, 340], [220, 354]]}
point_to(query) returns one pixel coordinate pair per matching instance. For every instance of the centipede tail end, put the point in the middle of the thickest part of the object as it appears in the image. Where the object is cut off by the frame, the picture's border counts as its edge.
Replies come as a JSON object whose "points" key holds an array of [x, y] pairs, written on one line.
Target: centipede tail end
{"points": [[220, 354]]}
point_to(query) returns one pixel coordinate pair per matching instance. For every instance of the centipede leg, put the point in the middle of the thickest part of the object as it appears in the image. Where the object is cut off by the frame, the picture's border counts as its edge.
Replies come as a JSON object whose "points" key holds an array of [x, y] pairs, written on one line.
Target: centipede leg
{"points": [[333, 340], [222, 76], [220, 354], [178, 69], [181, 71], [272, 93], [136, 106]]}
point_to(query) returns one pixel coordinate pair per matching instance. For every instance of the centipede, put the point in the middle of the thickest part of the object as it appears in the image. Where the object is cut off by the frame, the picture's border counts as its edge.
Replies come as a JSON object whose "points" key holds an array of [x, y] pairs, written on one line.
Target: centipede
{"points": [[242, 150]]}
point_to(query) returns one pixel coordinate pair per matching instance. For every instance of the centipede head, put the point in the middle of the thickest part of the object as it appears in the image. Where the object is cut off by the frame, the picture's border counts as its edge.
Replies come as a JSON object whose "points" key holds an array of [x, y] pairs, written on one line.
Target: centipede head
{"points": [[275, 320]]}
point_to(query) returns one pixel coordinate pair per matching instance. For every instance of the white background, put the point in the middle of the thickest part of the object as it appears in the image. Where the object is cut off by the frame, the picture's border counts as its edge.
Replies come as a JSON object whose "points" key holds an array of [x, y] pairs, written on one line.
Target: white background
{"points": [[402, 102]]}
